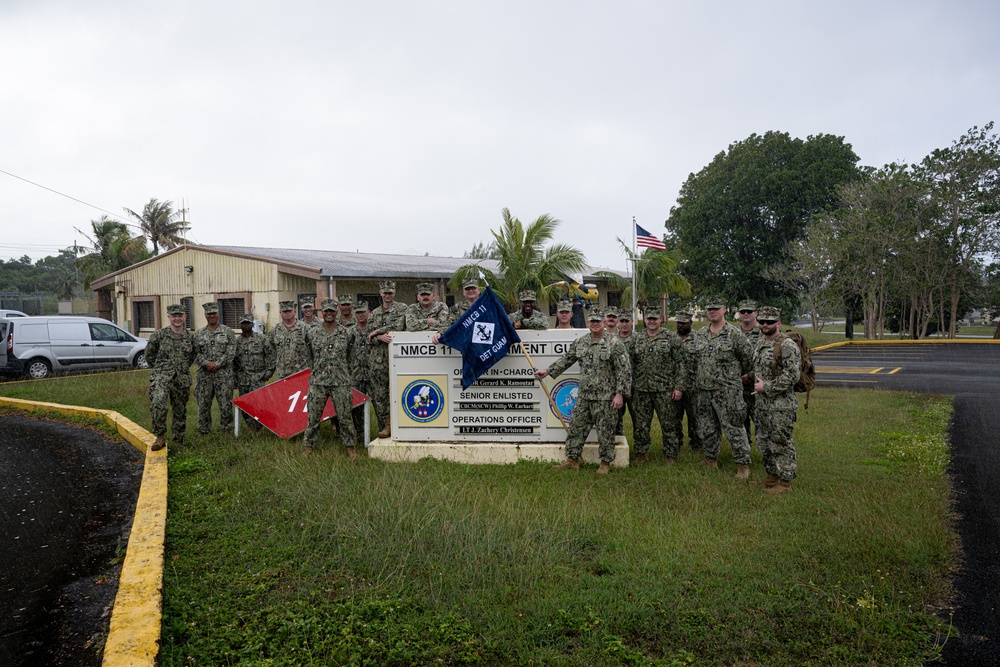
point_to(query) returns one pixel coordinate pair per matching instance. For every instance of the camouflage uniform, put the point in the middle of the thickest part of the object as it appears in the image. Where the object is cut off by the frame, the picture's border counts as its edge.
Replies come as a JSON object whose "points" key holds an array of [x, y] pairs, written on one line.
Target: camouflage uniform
{"points": [[383, 320], [776, 405], [538, 321], [254, 365], [332, 356], [604, 371], [289, 347], [754, 336], [629, 343], [658, 368], [687, 406], [170, 357], [217, 346], [360, 373], [416, 317], [717, 362]]}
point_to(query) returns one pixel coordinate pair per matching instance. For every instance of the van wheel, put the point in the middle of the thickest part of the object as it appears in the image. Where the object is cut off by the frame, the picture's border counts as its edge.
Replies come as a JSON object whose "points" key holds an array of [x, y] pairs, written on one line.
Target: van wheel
{"points": [[38, 369], [140, 360]]}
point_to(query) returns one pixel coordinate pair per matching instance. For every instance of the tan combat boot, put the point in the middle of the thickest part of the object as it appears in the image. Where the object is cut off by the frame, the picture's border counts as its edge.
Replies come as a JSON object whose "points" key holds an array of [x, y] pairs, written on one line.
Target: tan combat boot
{"points": [[770, 481], [783, 486], [569, 464], [158, 444], [604, 469], [352, 453], [712, 464], [386, 432], [742, 471]]}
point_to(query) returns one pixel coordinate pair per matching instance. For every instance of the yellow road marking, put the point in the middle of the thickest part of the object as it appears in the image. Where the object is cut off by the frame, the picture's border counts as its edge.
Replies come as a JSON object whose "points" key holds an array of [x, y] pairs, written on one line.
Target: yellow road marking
{"points": [[846, 370], [894, 370], [876, 370]]}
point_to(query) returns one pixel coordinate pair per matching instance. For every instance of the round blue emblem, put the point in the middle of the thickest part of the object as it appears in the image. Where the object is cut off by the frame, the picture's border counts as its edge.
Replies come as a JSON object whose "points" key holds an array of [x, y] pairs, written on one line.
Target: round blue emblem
{"points": [[422, 401], [564, 396]]}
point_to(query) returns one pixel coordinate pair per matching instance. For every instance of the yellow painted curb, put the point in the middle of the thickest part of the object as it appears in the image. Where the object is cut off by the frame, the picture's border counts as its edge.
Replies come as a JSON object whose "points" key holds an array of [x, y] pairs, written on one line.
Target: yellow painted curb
{"points": [[924, 341], [134, 636]]}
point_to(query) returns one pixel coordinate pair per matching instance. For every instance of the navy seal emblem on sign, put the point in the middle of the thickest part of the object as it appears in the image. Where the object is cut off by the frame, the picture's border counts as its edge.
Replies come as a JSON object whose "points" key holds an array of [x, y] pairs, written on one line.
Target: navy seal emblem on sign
{"points": [[422, 401], [564, 396]]}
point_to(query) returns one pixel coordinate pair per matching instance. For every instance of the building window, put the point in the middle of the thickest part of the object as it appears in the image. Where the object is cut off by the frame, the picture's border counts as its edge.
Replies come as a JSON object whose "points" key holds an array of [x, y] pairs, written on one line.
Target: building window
{"points": [[188, 303], [232, 307], [373, 300], [615, 299], [230, 312], [145, 314]]}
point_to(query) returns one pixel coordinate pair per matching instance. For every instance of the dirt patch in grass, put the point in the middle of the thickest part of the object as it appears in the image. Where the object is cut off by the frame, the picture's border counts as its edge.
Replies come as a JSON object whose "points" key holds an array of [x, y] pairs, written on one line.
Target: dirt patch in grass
{"points": [[68, 494]]}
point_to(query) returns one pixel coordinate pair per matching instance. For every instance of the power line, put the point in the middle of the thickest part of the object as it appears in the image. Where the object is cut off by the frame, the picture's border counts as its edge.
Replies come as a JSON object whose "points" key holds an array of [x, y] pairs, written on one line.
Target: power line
{"points": [[63, 194]]}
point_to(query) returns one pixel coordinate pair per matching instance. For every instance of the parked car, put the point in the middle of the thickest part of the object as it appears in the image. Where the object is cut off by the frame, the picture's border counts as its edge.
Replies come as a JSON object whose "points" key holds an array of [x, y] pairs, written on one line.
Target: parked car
{"points": [[12, 313], [36, 347]]}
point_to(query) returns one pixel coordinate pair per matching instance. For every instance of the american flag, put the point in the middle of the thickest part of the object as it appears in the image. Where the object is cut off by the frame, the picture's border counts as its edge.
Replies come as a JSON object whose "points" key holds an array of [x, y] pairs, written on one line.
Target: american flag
{"points": [[644, 239]]}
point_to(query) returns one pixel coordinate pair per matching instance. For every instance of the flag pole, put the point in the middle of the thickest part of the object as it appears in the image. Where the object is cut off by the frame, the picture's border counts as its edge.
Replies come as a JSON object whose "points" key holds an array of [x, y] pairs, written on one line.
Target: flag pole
{"points": [[635, 266], [544, 388]]}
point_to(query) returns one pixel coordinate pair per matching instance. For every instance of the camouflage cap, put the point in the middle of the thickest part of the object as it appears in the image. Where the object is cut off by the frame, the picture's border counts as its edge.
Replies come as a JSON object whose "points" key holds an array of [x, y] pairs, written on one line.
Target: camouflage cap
{"points": [[345, 300], [683, 316], [286, 305], [308, 301], [527, 295], [329, 304], [175, 309], [210, 307], [595, 314], [470, 282], [715, 302], [387, 286], [564, 306], [425, 288], [624, 315], [653, 312], [247, 317], [769, 313], [361, 307], [611, 311], [748, 305]]}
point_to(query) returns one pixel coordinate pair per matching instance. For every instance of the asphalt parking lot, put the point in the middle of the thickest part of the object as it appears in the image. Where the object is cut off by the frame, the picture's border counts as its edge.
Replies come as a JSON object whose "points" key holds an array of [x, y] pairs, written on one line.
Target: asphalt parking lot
{"points": [[971, 373]]}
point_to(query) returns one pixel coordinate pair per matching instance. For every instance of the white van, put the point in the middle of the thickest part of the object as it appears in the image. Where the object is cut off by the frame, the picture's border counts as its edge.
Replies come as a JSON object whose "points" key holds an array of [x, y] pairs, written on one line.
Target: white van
{"points": [[36, 347]]}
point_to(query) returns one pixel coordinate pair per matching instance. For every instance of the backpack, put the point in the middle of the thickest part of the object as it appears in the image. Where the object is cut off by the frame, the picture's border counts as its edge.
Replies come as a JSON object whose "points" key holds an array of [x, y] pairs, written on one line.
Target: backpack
{"points": [[807, 375]]}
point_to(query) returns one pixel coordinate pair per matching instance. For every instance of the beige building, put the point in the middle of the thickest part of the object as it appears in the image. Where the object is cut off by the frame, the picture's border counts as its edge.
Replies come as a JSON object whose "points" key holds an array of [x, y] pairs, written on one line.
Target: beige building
{"points": [[254, 280]]}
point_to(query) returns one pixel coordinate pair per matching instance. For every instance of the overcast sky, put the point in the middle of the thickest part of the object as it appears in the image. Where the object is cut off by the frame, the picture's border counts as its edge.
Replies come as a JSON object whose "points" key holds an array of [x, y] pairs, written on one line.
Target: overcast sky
{"points": [[406, 127]]}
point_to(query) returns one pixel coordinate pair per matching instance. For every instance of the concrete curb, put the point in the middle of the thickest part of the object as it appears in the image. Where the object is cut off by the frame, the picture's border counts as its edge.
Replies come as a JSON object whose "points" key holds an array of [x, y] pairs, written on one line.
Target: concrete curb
{"points": [[924, 341], [134, 636]]}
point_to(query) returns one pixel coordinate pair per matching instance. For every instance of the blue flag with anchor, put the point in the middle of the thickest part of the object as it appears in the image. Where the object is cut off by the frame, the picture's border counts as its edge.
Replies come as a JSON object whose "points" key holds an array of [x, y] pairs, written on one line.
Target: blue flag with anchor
{"points": [[483, 335]]}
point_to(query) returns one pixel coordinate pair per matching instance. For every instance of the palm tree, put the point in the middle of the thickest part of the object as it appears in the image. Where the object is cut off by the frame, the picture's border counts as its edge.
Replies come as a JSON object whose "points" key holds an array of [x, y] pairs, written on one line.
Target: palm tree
{"points": [[161, 224], [524, 261], [656, 275], [113, 249]]}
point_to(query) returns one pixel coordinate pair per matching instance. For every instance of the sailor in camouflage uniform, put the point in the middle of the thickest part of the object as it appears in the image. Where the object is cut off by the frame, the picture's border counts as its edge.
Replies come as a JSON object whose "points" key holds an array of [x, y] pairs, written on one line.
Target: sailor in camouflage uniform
{"points": [[361, 369], [720, 356], [346, 308], [605, 376], [527, 317], [427, 314], [288, 340], [776, 403], [309, 316], [628, 338], [564, 314], [471, 289], [216, 349], [170, 353], [254, 361], [331, 353], [683, 322], [385, 319], [658, 375], [749, 328]]}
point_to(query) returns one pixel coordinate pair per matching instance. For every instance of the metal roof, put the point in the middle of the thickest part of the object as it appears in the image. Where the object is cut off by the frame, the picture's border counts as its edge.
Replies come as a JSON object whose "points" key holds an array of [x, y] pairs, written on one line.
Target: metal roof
{"points": [[342, 264]]}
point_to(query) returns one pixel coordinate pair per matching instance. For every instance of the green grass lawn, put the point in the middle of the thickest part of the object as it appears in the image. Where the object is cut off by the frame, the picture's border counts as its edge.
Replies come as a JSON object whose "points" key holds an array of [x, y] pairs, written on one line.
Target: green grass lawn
{"points": [[273, 559]]}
